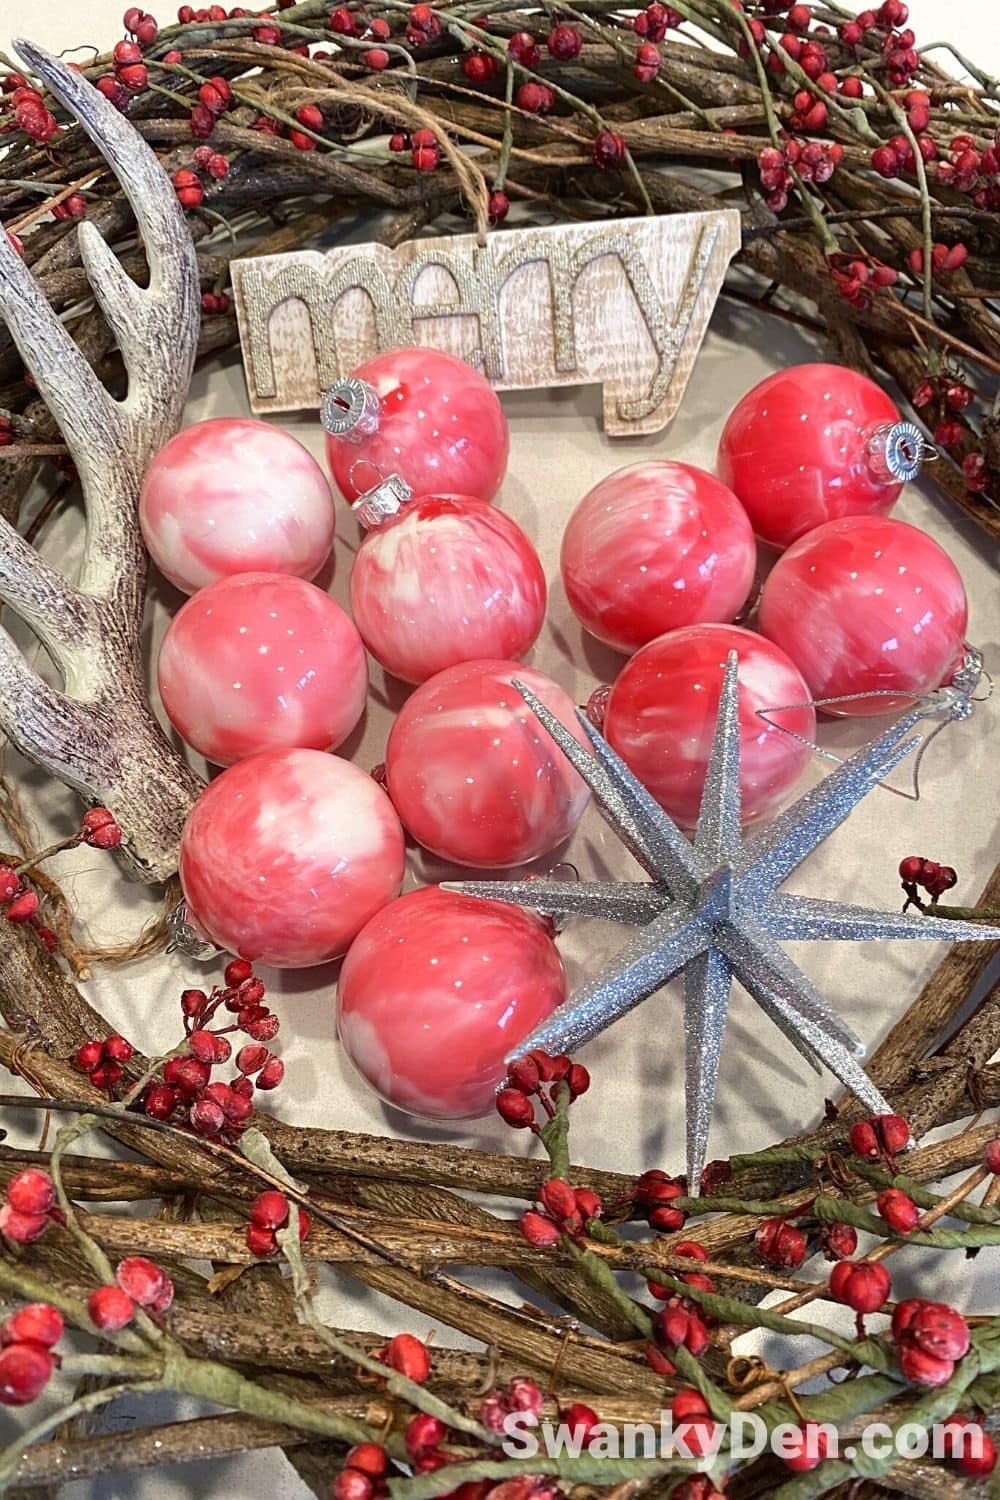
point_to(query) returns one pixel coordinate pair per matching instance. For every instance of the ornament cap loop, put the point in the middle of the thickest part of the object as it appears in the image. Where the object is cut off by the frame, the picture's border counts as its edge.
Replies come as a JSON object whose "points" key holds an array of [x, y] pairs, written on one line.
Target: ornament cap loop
{"points": [[896, 451], [386, 498], [351, 409], [184, 937]]}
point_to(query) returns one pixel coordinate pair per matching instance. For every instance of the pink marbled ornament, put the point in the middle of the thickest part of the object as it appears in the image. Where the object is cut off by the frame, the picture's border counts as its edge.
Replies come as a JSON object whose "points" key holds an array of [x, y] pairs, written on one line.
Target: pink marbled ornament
{"points": [[233, 495], [436, 991], [654, 547], [258, 662], [661, 718], [867, 603], [285, 856], [447, 579], [473, 774], [441, 427], [794, 450]]}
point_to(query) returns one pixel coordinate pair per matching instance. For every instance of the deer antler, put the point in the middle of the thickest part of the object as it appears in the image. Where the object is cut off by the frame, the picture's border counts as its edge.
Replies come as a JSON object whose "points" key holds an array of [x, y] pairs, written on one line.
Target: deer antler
{"points": [[97, 733]]}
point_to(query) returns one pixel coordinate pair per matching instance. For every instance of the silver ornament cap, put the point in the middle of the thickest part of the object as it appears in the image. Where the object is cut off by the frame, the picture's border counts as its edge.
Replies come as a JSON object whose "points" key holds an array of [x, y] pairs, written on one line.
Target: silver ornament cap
{"points": [[896, 452], [351, 409]]}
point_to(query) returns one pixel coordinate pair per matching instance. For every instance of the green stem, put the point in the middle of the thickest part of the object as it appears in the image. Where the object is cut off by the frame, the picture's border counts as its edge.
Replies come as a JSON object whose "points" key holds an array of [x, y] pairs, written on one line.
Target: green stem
{"points": [[554, 1134], [34, 860], [927, 221], [583, 1470], [507, 140]]}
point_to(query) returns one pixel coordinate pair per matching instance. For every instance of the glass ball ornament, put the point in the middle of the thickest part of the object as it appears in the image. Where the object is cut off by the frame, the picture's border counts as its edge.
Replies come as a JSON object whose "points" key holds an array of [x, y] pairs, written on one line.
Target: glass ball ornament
{"points": [[661, 711], [474, 775], [285, 857], [867, 604], [419, 413], [258, 662], [654, 547], [813, 443], [446, 579], [233, 495], [436, 991]]}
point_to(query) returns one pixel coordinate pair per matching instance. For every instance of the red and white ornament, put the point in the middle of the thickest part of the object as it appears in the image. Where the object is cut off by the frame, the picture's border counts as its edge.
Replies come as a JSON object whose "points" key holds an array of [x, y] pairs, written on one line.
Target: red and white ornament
{"points": [[436, 991], [285, 857], [233, 495], [655, 547], [261, 661], [473, 774], [446, 579], [419, 413], [812, 443], [660, 717], [867, 604]]}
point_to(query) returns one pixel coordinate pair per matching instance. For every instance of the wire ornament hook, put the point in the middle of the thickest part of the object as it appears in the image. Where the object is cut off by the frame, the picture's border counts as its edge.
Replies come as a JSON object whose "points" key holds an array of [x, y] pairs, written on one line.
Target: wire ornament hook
{"points": [[954, 701]]}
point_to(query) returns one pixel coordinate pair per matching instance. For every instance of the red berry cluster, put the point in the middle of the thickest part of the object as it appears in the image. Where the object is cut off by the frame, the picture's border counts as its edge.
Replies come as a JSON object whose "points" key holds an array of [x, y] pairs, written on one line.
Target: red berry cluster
{"points": [[522, 1395], [187, 13], [130, 70], [562, 1209], [679, 1324], [425, 150], [29, 1205], [969, 170], [214, 98], [363, 1474], [525, 1082], [138, 1283], [140, 24], [647, 62], [102, 1061], [780, 1245], [18, 900], [656, 20], [215, 303], [270, 1212], [99, 829], [30, 112], [212, 162], [808, 52], [858, 280], [654, 1198], [691, 1250], [219, 1111], [930, 1337], [73, 207], [814, 161], [926, 874], [423, 26], [944, 258], [880, 1136], [27, 1338]]}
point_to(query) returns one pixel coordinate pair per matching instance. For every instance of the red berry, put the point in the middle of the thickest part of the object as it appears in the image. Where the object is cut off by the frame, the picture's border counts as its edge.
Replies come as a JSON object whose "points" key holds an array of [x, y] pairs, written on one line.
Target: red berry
{"points": [[186, 1074], [524, 49], [408, 1355], [270, 1210], [109, 1307], [98, 827], [861, 1285], [609, 150], [898, 1210], [991, 1157], [523, 1075], [969, 1448], [22, 908], [160, 1102], [24, 1373], [647, 62], [534, 98], [479, 67], [515, 1109], [21, 1228], [118, 1049], [237, 970], [141, 1280], [809, 1448], [840, 1241], [377, 58], [251, 1058], [538, 1230], [188, 189], [370, 1458], [557, 1198], [422, 1433], [271, 1073], [577, 1080], [498, 209], [564, 42], [31, 1191], [885, 161], [911, 867], [261, 1242], [38, 1323], [126, 52], [206, 1117], [581, 1421], [588, 1203]]}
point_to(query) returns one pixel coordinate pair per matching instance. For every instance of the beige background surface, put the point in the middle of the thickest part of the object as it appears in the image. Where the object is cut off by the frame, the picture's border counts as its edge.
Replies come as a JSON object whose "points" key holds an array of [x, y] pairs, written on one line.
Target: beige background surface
{"points": [[634, 1116]]}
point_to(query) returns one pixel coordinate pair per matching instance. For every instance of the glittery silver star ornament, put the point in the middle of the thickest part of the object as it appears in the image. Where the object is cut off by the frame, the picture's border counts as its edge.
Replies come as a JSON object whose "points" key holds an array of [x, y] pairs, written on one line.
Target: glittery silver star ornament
{"points": [[712, 910]]}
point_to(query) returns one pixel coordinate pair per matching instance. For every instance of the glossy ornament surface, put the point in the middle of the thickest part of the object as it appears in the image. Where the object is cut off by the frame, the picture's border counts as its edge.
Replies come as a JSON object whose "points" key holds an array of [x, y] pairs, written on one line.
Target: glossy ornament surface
{"points": [[867, 604], [813, 443], [438, 424], [474, 776], [661, 718], [258, 662], [447, 579], [233, 495], [436, 991], [285, 856], [654, 547]]}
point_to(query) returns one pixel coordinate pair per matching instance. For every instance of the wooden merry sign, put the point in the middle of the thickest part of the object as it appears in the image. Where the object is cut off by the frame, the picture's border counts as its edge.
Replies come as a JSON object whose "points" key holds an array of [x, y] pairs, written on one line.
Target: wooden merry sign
{"points": [[623, 304]]}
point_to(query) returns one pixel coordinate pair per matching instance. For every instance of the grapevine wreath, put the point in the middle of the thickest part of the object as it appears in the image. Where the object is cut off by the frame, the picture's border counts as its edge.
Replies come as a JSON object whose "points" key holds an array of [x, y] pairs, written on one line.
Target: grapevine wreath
{"points": [[867, 179]]}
